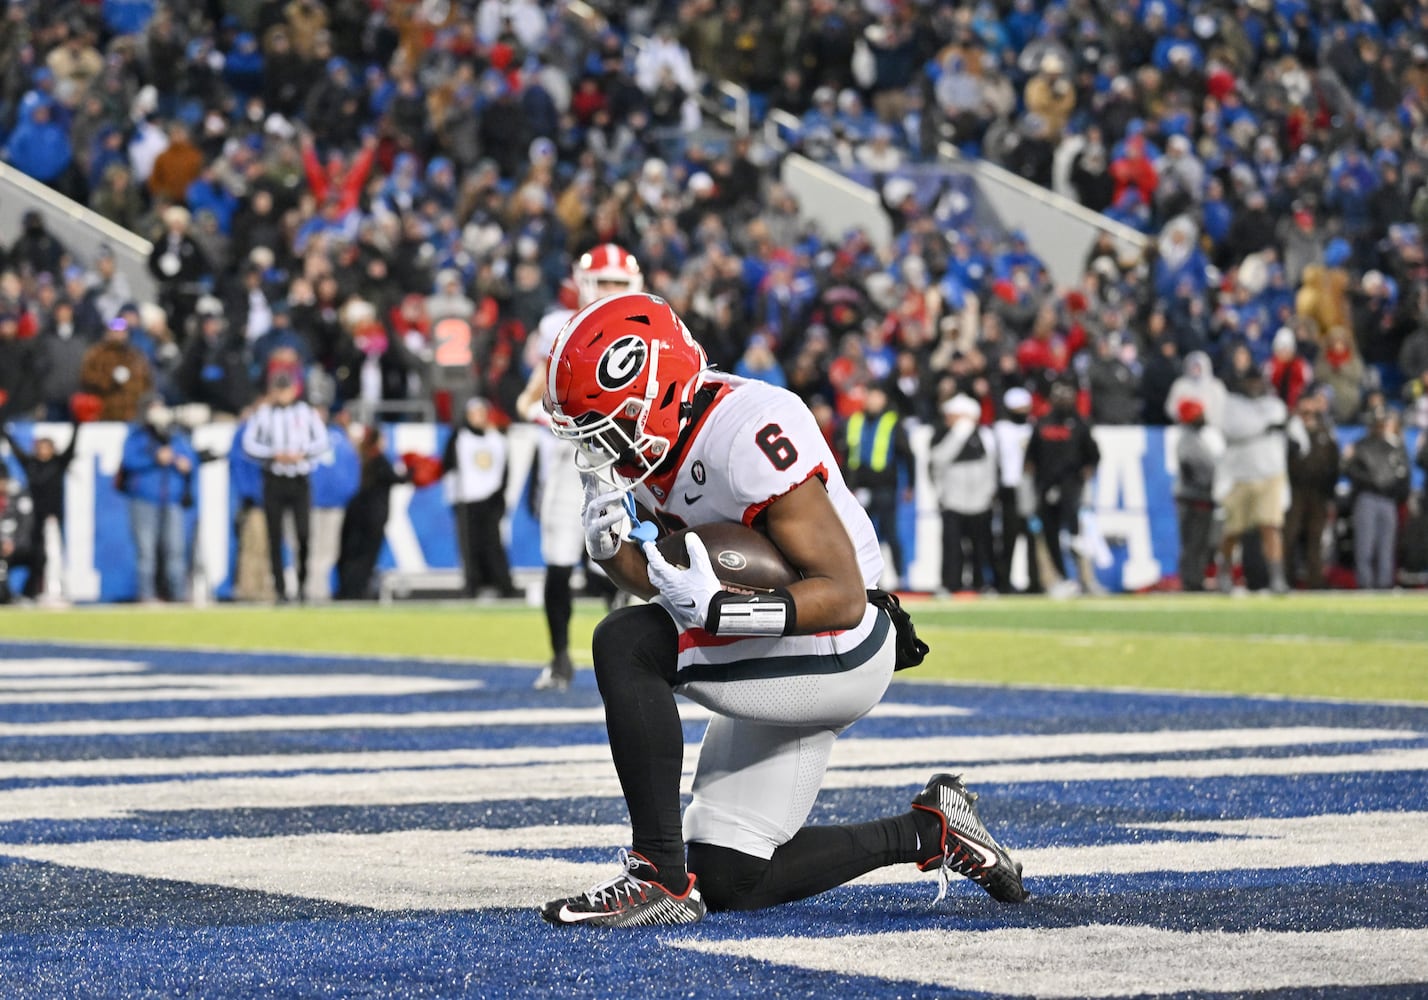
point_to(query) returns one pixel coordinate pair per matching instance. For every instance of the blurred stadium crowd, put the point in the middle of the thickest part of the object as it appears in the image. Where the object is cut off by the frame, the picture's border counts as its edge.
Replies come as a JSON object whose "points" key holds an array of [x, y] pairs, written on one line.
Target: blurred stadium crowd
{"points": [[326, 184]]}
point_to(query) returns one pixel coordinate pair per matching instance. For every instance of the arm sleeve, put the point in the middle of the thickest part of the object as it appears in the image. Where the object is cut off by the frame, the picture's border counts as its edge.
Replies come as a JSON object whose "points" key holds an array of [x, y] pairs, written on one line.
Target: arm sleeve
{"points": [[448, 454], [1356, 469], [136, 457], [255, 441], [316, 179], [15, 449], [318, 443], [904, 455], [356, 178], [1090, 451], [387, 475], [67, 455]]}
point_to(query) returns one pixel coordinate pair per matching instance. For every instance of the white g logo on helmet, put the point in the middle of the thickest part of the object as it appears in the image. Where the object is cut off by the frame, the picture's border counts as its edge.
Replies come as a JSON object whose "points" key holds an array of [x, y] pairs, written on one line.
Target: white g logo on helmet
{"points": [[621, 363]]}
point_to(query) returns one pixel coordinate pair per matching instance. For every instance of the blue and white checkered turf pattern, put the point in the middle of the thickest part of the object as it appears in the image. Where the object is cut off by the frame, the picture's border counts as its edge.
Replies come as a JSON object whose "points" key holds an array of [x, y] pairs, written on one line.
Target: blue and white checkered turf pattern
{"points": [[211, 824]]}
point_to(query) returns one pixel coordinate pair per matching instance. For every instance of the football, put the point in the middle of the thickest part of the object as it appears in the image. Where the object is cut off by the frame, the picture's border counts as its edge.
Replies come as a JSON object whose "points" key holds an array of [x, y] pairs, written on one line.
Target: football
{"points": [[744, 560]]}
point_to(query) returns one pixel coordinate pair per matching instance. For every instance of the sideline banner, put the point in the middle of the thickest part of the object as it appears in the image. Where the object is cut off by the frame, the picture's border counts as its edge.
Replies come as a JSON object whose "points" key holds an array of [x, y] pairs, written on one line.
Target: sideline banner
{"points": [[1131, 499]]}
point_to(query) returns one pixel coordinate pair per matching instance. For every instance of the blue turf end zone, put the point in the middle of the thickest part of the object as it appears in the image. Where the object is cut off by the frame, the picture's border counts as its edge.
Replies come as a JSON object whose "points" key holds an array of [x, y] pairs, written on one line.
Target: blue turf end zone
{"points": [[186, 824]]}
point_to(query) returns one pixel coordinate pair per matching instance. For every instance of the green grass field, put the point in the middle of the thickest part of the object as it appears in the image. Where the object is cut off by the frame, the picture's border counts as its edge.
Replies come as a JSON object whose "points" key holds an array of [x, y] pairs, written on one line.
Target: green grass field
{"points": [[1369, 647]]}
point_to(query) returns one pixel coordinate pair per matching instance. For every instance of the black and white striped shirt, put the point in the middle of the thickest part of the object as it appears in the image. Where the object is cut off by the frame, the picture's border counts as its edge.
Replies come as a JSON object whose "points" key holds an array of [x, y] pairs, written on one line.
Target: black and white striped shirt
{"points": [[294, 429]]}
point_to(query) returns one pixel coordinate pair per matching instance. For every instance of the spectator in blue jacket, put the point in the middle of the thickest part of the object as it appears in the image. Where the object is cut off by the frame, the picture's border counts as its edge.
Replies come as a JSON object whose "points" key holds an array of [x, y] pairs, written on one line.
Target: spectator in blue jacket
{"points": [[243, 67], [279, 336], [334, 482], [127, 17], [39, 146], [252, 577], [157, 474]]}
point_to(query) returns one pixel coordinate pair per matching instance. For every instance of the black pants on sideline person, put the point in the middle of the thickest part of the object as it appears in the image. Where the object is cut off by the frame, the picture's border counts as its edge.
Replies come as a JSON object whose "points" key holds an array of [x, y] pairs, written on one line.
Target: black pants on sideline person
{"points": [[1014, 526], [1197, 523], [882, 510], [280, 494], [363, 525], [483, 554], [1060, 510], [958, 529], [39, 558]]}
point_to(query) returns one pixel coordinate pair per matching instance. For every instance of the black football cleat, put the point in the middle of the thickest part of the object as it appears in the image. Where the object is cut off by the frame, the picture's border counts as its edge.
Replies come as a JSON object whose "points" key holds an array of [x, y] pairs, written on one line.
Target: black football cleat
{"points": [[630, 899], [967, 847]]}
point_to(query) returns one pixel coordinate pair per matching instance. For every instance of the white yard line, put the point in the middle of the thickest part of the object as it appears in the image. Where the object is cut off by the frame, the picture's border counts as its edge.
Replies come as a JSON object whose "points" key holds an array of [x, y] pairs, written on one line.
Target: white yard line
{"points": [[1106, 636], [1101, 960]]}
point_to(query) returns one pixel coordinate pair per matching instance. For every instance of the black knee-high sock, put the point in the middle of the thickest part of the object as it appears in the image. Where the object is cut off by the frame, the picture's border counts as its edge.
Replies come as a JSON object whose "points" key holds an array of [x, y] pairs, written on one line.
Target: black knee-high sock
{"points": [[557, 607], [817, 859], [636, 651]]}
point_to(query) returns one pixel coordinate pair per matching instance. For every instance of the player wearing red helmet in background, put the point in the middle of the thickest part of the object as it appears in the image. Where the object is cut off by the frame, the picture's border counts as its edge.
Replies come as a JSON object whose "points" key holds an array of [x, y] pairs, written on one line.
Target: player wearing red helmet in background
{"points": [[605, 270], [783, 672]]}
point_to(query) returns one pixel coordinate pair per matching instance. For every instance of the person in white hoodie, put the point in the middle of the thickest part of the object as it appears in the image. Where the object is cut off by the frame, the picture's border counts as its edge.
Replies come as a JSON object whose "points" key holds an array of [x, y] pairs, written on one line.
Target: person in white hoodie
{"points": [[1200, 384], [963, 468], [1255, 469]]}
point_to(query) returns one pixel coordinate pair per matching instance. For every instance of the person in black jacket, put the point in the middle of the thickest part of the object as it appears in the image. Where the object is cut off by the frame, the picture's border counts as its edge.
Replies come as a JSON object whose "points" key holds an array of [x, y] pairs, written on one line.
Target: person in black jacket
{"points": [[44, 471], [216, 363], [1377, 467], [19, 381], [1061, 456], [364, 521], [178, 263]]}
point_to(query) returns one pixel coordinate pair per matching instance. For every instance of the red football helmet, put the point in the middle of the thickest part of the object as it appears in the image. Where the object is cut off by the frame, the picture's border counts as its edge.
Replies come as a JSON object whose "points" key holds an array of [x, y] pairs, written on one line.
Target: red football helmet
{"points": [[607, 270], [568, 296], [619, 381]]}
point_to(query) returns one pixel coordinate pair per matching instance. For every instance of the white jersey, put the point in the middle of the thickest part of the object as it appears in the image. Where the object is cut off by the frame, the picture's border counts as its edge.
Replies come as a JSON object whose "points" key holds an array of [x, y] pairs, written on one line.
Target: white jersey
{"points": [[756, 443], [538, 347], [562, 538], [1012, 439], [755, 782]]}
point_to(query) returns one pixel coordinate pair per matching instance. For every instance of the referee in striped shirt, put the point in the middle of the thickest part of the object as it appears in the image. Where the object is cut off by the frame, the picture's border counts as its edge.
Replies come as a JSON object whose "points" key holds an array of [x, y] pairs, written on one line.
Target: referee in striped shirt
{"points": [[287, 436]]}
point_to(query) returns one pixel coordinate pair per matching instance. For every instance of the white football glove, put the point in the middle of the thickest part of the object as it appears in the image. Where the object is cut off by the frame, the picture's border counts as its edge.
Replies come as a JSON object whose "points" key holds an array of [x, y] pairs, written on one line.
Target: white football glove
{"points": [[684, 593], [604, 516]]}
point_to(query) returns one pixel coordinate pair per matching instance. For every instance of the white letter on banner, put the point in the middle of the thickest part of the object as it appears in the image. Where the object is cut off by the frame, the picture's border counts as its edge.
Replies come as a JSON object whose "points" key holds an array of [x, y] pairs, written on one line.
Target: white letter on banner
{"points": [[401, 535], [1120, 502], [214, 531], [925, 572], [104, 443]]}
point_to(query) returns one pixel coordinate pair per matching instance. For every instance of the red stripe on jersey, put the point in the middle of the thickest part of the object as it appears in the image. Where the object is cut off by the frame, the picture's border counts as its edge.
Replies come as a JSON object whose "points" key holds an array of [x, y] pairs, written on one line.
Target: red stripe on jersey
{"points": [[694, 637], [754, 510], [697, 638]]}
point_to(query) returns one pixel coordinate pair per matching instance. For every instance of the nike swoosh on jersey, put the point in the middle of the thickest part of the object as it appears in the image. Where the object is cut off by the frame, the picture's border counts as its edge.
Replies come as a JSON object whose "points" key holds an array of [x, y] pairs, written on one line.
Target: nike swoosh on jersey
{"points": [[569, 916], [687, 604], [693, 499]]}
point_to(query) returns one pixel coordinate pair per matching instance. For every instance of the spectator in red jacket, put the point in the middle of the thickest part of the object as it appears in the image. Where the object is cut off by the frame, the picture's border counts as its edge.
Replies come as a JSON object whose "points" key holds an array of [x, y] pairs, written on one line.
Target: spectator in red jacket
{"points": [[1045, 353], [1289, 373], [1133, 169], [338, 178]]}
